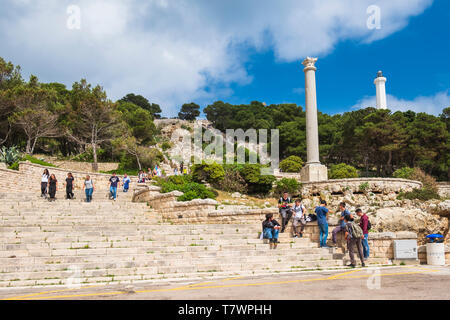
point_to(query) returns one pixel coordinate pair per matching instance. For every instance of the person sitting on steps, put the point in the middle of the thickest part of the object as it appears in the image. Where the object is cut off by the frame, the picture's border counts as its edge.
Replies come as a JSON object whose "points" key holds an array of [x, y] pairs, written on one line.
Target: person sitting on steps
{"points": [[284, 205], [341, 226], [299, 219], [271, 229]]}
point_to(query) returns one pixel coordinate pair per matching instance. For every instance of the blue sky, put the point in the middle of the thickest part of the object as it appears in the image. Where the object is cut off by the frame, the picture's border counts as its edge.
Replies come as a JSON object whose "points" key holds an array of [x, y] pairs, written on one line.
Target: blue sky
{"points": [[415, 60], [178, 51]]}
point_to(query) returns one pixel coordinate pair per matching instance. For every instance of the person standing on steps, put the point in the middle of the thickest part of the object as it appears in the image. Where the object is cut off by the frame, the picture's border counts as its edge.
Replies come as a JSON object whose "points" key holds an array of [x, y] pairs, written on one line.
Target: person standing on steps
{"points": [[341, 226], [126, 183], [69, 186], [271, 229], [114, 181], [88, 187], [44, 183], [299, 219], [353, 235], [322, 221], [284, 205], [364, 224], [52, 187]]}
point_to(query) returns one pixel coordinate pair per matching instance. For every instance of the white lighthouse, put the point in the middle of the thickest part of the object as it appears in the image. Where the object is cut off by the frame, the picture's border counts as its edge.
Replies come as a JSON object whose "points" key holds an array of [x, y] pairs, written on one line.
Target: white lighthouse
{"points": [[380, 84]]}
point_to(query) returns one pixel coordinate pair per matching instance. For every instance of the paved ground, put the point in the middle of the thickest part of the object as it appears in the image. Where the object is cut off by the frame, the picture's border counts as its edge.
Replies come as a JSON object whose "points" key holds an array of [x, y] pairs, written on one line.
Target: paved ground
{"points": [[388, 283]]}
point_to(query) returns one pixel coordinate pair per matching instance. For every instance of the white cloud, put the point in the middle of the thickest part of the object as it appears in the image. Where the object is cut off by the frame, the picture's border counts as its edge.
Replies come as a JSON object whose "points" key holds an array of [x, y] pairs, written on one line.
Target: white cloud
{"points": [[170, 51], [431, 105]]}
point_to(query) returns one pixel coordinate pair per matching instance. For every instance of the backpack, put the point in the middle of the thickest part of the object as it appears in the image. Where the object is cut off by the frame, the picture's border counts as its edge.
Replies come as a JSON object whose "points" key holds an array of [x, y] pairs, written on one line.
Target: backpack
{"points": [[369, 225], [356, 231]]}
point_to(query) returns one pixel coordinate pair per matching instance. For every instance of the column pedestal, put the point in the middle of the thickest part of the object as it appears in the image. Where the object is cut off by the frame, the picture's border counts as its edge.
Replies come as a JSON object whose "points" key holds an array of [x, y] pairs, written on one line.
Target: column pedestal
{"points": [[314, 172]]}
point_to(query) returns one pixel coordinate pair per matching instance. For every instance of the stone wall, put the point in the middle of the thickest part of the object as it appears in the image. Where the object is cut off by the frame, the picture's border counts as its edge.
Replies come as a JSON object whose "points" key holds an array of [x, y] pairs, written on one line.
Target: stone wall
{"points": [[355, 185], [444, 189], [77, 165], [28, 178]]}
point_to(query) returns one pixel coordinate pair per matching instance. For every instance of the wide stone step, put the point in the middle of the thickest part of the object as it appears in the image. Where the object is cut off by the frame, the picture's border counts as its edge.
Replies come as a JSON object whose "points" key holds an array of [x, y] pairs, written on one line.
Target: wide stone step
{"points": [[185, 241], [138, 273]]}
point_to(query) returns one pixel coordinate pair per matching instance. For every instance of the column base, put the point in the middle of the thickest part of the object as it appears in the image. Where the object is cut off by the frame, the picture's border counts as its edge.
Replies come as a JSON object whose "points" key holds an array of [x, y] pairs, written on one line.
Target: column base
{"points": [[314, 172]]}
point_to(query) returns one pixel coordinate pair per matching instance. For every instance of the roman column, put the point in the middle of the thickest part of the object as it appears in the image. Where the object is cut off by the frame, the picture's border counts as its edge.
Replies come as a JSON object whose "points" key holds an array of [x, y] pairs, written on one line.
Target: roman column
{"points": [[380, 84], [313, 170]]}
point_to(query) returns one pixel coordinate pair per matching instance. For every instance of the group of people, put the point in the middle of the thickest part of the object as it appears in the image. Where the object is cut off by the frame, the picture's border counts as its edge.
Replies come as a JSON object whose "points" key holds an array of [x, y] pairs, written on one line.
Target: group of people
{"points": [[49, 186], [356, 235], [183, 170], [143, 177]]}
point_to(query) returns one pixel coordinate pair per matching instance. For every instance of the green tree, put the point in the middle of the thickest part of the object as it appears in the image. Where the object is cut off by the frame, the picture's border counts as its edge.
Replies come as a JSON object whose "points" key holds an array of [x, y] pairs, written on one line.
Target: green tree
{"points": [[95, 118], [140, 122], [142, 102], [189, 111], [36, 112]]}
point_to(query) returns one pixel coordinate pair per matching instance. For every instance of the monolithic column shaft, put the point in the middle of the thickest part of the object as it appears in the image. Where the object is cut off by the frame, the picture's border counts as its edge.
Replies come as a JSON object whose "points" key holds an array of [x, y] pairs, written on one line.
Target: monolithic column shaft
{"points": [[312, 130]]}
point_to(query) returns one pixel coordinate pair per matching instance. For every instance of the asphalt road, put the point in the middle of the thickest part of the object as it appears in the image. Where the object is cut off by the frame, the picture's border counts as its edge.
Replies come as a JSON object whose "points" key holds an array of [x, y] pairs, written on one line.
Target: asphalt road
{"points": [[386, 283]]}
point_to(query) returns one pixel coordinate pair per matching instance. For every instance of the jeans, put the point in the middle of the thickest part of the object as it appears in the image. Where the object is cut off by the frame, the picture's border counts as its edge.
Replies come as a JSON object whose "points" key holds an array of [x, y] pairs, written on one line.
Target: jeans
{"points": [[365, 244], [351, 243], [335, 232], [286, 215], [113, 191], [271, 233], [323, 234], [69, 193], [89, 194]]}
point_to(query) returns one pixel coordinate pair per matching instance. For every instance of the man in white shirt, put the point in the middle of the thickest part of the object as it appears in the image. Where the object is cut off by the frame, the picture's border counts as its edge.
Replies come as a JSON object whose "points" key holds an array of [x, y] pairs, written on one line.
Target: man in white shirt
{"points": [[299, 219]]}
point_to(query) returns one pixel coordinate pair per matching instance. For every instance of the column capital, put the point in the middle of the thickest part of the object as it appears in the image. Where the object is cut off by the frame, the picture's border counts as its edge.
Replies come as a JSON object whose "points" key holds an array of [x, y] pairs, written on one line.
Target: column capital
{"points": [[309, 64]]}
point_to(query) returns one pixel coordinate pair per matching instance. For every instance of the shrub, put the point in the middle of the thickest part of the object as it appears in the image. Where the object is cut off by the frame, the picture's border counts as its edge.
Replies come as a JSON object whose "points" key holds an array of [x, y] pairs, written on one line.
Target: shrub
{"points": [[423, 194], [417, 174], [403, 173], [291, 164], [342, 171], [428, 182], [9, 155], [256, 182], [191, 190], [14, 166], [211, 173], [233, 181], [363, 186], [166, 146], [290, 185], [36, 161]]}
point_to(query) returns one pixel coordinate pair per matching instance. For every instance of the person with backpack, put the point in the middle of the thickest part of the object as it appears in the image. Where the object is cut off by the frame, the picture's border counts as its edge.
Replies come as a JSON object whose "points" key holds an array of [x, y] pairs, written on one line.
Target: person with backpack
{"points": [[341, 226], [365, 225], [353, 235], [271, 229], [299, 219], [126, 182], [284, 206], [322, 221]]}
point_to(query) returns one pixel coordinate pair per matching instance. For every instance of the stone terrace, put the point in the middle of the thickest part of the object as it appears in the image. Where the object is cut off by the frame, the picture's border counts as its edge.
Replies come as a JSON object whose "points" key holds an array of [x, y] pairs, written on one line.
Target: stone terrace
{"points": [[44, 243]]}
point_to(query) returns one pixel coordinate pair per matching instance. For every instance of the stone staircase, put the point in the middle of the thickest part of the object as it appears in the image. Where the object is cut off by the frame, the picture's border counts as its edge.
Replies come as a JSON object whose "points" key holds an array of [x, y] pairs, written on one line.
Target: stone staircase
{"points": [[54, 243]]}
